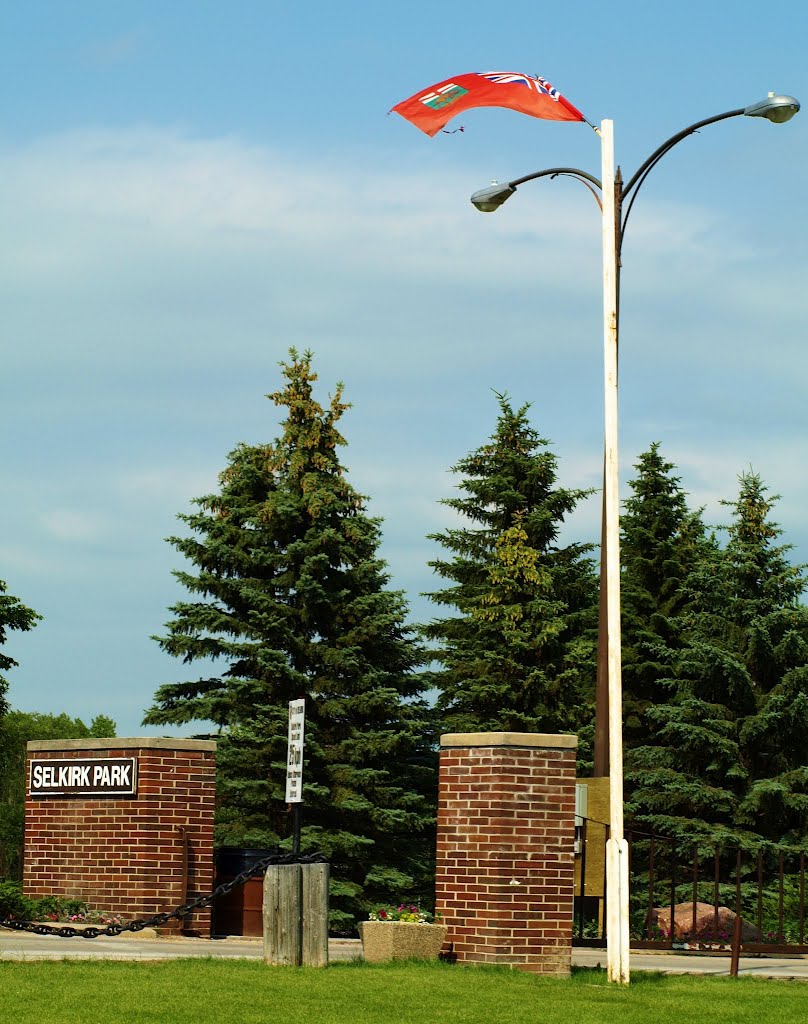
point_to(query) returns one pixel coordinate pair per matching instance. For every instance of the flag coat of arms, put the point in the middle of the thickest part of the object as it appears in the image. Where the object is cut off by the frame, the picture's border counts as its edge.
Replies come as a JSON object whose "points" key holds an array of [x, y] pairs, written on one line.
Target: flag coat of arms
{"points": [[433, 108]]}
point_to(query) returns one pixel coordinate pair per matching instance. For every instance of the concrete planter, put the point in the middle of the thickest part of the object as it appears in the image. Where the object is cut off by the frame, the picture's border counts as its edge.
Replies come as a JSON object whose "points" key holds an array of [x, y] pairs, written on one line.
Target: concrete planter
{"points": [[400, 940]]}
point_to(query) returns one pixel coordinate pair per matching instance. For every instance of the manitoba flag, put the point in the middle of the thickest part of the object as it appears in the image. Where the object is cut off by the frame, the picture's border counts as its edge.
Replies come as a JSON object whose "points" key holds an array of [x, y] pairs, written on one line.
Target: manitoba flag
{"points": [[433, 108]]}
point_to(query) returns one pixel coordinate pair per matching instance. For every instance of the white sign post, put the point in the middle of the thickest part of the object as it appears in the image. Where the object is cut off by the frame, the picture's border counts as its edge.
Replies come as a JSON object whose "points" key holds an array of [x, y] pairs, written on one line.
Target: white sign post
{"points": [[294, 766], [294, 758]]}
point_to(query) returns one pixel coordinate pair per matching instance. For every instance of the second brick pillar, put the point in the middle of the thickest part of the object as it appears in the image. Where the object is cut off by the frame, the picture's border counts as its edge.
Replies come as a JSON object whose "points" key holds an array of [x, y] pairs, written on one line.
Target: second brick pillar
{"points": [[505, 855]]}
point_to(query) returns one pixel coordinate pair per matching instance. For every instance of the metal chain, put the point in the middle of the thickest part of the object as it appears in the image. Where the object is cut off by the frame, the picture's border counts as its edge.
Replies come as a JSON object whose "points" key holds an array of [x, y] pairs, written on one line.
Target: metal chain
{"points": [[69, 932]]}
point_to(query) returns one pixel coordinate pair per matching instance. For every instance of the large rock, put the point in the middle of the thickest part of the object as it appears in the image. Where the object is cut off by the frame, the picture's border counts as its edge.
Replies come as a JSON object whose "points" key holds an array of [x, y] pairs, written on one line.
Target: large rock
{"points": [[707, 928]]}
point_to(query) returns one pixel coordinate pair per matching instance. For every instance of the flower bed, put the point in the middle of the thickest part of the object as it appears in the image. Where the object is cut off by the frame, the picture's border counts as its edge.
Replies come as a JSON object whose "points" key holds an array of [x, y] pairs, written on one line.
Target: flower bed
{"points": [[407, 913]]}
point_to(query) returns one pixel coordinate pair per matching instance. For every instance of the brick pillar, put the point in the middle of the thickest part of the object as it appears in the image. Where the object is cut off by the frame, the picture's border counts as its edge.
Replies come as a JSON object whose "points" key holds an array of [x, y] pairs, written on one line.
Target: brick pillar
{"points": [[128, 855], [505, 855]]}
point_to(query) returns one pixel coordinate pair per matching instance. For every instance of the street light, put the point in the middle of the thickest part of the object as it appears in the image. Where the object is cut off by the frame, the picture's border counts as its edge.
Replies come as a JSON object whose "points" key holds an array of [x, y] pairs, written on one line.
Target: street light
{"points": [[776, 108], [489, 199], [611, 195]]}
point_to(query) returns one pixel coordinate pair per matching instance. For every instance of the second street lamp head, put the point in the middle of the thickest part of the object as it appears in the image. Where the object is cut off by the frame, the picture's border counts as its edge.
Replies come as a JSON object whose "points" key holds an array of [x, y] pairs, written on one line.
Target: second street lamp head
{"points": [[774, 108], [486, 200]]}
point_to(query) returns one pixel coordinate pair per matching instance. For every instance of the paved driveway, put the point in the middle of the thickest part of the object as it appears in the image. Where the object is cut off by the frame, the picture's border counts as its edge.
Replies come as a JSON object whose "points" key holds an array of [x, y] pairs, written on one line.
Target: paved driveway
{"points": [[26, 946], [795, 968]]}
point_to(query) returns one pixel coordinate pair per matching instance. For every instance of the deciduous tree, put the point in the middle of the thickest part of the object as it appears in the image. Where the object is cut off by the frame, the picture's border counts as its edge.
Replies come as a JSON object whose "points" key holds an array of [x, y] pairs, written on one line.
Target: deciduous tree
{"points": [[17, 728], [14, 615]]}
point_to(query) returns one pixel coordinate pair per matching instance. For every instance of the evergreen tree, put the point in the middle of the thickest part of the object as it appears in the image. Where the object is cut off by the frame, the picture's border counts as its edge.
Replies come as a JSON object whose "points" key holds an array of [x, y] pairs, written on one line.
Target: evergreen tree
{"points": [[518, 647], [772, 640], [13, 615], [726, 759], [661, 541], [289, 597]]}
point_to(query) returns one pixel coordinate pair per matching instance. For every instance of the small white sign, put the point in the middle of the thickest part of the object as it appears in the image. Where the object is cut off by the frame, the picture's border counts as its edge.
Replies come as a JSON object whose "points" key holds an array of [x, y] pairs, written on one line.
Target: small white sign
{"points": [[294, 757]]}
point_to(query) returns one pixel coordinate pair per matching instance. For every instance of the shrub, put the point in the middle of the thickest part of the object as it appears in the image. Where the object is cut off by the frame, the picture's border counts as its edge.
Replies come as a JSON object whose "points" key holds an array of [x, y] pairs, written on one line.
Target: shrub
{"points": [[14, 904]]}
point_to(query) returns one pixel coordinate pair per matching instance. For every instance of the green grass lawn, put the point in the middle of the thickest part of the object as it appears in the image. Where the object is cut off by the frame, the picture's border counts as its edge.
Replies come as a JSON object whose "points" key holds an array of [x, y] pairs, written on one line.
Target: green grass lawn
{"points": [[248, 992]]}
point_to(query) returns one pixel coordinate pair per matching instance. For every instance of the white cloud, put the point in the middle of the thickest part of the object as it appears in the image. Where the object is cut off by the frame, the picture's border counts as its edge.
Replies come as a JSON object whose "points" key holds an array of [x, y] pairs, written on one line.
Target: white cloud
{"points": [[81, 194], [76, 525], [151, 280], [166, 485]]}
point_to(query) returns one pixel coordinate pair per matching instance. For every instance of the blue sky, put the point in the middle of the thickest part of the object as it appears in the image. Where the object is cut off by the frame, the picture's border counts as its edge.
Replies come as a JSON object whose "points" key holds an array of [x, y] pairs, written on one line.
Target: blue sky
{"points": [[191, 188]]}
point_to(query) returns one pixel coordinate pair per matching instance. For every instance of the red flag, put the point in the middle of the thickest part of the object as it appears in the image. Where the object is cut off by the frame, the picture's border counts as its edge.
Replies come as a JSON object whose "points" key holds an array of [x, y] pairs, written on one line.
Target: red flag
{"points": [[432, 108]]}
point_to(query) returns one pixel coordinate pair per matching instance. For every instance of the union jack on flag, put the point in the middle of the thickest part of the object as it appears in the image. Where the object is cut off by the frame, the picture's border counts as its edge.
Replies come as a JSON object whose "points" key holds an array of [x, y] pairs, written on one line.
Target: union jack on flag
{"points": [[539, 83]]}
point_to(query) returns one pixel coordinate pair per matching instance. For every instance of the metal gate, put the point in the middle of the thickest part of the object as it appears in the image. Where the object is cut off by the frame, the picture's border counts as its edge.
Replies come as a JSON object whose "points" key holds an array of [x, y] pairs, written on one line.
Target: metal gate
{"points": [[690, 898]]}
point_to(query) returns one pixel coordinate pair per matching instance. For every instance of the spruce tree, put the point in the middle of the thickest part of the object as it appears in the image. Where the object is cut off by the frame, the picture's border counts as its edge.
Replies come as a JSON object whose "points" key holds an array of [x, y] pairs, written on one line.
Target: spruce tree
{"points": [[290, 599], [661, 540], [517, 651], [688, 776], [772, 637], [725, 760]]}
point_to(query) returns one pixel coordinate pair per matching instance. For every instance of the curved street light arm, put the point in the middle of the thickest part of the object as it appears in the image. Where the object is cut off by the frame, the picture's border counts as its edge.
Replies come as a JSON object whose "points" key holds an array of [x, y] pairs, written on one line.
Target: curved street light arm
{"points": [[574, 172], [657, 155], [775, 108], [491, 198], [648, 165], [651, 164], [585, 183]]}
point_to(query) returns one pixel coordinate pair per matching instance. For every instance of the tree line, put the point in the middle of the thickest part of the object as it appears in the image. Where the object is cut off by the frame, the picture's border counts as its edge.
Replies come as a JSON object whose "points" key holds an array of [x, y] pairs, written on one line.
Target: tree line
{"points": [[17, 729], [286, 596]]}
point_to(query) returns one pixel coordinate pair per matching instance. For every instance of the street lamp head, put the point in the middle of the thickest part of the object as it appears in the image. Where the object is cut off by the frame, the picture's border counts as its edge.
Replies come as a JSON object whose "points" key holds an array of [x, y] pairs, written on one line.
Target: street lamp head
{"points": [[775, 108], [489, 199]]}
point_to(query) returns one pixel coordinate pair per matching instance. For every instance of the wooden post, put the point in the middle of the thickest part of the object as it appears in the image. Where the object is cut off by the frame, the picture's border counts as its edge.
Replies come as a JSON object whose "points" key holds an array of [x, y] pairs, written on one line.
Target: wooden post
{"points": [[296, 915], [735, 957]]}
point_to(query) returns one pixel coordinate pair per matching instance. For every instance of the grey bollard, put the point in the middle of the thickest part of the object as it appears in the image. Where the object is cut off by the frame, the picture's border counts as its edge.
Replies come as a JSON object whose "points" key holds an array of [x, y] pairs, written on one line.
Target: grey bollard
{"points": [[296, 915]]}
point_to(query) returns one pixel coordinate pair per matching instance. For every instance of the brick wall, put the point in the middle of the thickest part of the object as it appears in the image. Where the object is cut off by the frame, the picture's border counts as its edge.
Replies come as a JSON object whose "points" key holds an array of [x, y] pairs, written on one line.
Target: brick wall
{"points": [[505, 854], [126, 855]]}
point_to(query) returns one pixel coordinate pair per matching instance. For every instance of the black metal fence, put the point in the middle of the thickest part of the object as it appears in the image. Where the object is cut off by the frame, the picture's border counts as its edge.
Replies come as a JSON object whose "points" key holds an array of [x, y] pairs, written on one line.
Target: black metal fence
{"points": [[690, 898]]}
